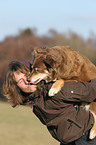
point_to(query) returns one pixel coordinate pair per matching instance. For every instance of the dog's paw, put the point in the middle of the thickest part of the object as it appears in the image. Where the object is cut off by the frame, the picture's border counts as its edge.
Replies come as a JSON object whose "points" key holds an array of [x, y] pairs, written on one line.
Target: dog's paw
{"points": [[92, 134], [52, 92], [56, 87]]}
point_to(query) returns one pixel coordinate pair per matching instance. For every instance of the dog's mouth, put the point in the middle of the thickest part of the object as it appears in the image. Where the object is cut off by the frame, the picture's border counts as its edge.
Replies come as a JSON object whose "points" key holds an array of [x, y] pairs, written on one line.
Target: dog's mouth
{"points": [[37, 81], [33, 83]]}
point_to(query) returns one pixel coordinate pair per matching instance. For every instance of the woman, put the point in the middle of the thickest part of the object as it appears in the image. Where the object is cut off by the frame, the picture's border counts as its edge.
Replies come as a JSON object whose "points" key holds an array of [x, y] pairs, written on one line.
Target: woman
{"points": [[63, 114]]}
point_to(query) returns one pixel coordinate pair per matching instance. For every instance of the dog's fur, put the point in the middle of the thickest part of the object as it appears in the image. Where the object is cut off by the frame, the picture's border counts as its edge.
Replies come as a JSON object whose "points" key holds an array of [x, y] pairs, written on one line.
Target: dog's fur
{"points": [[61, 64]]}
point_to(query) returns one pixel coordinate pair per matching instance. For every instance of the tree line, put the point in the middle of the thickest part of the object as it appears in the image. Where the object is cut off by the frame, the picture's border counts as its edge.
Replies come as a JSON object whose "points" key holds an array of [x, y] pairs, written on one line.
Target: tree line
{"points": [[18, 47]]}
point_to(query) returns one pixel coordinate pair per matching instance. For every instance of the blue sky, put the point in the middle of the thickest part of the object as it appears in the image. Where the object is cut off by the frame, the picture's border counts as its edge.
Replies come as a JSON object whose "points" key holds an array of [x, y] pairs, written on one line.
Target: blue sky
{"points": [[61, 15]]}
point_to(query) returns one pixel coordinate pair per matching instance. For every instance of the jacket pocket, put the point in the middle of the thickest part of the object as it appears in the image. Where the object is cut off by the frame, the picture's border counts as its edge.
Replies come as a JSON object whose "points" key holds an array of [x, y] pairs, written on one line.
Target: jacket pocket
{"points": [[71, 121], [69, 130]]}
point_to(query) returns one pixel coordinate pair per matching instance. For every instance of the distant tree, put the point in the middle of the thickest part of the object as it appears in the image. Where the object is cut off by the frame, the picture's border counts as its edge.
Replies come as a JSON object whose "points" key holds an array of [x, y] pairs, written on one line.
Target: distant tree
{"points": [[18, 47], [28, 32]]}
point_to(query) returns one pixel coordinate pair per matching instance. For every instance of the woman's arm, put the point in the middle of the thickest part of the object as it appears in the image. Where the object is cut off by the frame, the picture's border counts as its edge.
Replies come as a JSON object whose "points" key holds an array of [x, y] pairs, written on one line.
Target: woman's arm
{"points": [[78, 91]]}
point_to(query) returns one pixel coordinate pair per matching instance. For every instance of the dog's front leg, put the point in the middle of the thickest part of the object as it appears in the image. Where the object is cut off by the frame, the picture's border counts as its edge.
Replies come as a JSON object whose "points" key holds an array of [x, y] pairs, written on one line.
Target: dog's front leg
{"points": [[56, 87]]}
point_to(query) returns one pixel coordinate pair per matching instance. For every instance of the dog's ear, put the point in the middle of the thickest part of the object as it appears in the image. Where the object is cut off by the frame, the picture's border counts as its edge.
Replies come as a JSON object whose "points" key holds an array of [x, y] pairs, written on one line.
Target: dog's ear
{"points": [[41, 51], [49, 62], [34, 51], [38, 51]]}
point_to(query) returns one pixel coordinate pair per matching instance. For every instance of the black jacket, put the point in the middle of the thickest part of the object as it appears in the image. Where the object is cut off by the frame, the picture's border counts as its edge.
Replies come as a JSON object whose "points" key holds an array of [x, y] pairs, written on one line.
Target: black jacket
{"points": [[63, 114]]}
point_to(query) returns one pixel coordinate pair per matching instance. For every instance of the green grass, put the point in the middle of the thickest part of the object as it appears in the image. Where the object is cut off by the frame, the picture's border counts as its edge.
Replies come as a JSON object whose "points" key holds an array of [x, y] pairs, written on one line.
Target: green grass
{"points": [[19, 126]]}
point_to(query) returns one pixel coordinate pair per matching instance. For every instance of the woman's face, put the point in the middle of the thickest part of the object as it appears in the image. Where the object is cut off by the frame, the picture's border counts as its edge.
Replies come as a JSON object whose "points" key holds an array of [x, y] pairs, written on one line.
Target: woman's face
{"points": [[22, 82]]}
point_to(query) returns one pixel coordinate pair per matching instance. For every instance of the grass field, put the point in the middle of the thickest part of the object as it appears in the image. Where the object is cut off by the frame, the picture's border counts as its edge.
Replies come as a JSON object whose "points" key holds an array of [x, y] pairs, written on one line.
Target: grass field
{"points": [[19, 126]]}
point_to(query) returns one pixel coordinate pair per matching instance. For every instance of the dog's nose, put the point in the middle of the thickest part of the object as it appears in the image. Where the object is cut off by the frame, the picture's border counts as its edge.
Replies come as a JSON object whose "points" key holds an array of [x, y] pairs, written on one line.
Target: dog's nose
{"points": [[28, 78], [29, 81]]}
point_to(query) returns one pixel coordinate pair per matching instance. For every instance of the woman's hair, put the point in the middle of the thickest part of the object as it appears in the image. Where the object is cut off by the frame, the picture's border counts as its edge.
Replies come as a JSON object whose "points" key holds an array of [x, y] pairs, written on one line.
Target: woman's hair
{"points": [[10, 88]]}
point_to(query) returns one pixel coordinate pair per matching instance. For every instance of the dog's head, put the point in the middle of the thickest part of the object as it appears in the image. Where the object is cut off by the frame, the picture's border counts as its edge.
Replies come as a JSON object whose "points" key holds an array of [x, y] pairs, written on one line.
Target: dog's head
{"points": [[49, 64], [42, 68]]}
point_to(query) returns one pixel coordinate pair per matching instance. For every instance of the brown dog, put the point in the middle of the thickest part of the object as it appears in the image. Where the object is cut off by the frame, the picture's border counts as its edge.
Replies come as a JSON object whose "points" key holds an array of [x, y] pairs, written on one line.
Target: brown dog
{"points": [[61, 64]]}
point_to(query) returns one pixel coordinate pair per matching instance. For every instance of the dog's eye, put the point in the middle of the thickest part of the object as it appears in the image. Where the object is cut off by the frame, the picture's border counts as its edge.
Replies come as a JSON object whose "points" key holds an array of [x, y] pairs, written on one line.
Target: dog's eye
{"points": [[37, 69]]}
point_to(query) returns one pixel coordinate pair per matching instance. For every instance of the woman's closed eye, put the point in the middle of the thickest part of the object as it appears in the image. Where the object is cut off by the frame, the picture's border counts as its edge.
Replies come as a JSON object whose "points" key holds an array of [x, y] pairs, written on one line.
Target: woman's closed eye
{"points": [[20, 81], [23, 81]]}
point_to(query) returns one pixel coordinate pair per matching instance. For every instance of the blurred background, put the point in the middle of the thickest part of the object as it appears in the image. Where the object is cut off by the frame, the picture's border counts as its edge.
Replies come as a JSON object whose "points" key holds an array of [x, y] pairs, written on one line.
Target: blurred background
{"points": [[40, 23]]}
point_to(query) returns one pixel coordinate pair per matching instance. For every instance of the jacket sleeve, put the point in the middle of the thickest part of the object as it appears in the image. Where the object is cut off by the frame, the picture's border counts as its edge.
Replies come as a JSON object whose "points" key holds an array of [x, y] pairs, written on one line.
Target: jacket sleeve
{"points": [[78, 91]]}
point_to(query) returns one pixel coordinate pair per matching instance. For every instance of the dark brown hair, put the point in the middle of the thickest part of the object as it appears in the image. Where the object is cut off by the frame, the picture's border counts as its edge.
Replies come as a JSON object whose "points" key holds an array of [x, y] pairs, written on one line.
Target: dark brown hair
{"points": [[10, 88]]}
